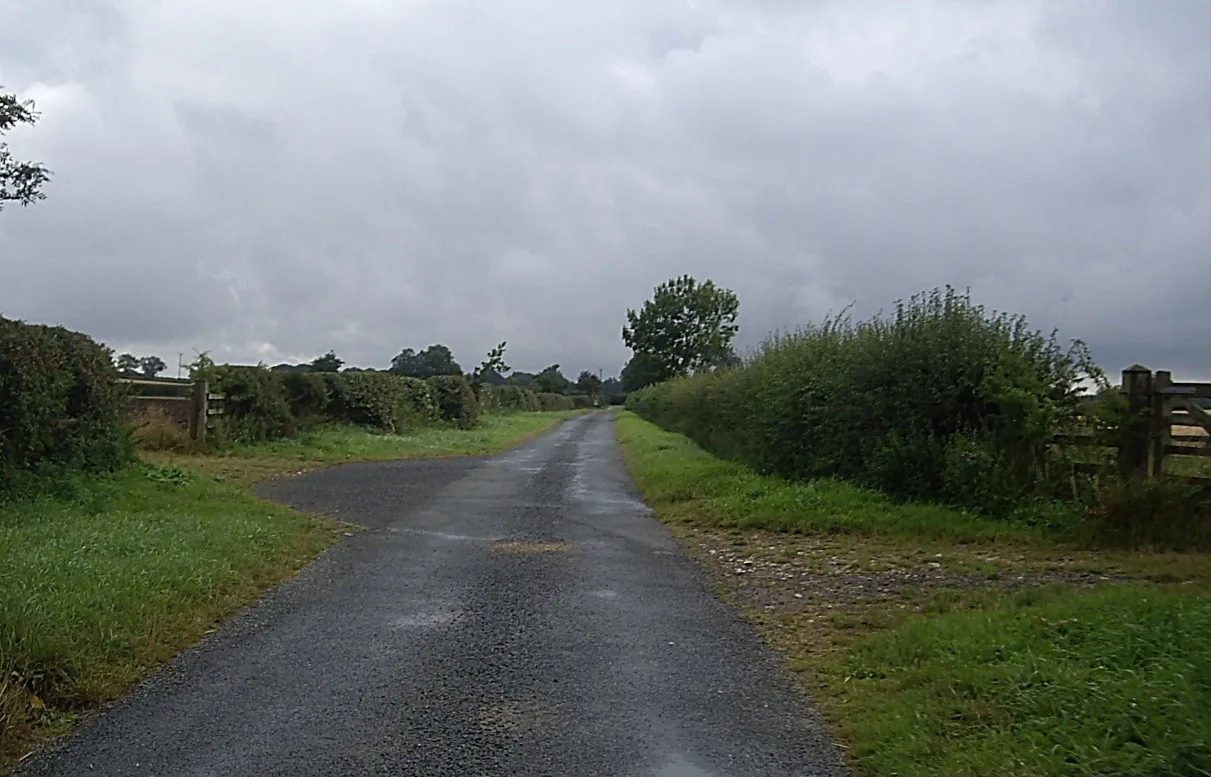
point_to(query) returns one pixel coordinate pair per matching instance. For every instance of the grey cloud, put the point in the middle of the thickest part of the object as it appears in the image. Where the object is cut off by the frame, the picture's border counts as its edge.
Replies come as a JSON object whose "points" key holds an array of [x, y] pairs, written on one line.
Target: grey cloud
{"points": [[272, 180]]}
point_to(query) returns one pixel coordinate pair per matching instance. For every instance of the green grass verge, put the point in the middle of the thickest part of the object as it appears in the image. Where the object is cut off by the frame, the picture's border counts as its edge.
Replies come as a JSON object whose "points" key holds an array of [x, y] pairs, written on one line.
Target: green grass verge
{"points": [[330, 444], [1043, 682], [1115, 681], [106, 579], [683, 482]]}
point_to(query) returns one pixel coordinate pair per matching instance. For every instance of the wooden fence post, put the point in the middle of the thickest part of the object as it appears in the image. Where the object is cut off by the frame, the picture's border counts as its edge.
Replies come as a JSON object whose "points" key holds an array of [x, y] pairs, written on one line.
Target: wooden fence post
{"points": [[1160, 421], [199, 409], [1133, 455]]}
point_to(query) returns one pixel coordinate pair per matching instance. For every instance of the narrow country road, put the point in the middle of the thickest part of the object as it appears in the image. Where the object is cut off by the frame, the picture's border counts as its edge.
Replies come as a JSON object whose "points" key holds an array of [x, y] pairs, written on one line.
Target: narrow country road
{"points": [[522, 615]]}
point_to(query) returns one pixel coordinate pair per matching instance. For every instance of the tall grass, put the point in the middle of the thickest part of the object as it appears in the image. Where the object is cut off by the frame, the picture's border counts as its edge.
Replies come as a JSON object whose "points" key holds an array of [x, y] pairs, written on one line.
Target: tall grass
{"points": [[942, 400], [107, 578]]}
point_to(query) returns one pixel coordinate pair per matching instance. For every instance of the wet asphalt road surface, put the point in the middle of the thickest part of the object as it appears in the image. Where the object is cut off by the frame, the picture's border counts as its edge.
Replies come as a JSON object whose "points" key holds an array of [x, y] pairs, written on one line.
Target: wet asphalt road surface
{"points": [[523, 615]]}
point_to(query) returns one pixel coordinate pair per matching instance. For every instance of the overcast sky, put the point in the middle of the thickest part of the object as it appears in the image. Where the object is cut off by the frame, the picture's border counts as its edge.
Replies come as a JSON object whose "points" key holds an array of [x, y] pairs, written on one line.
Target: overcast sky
{"points": [[268, 180]]}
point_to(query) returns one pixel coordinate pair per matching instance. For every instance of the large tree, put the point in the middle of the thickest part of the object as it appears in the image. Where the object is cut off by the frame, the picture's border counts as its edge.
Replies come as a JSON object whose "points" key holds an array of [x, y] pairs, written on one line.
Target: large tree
{"points": [[523, 379], [19, 181], [434, 360], [589, 383], [128, 363], [685, 326], [329, 362], [551, 380], [643, 369], [152, 366]]}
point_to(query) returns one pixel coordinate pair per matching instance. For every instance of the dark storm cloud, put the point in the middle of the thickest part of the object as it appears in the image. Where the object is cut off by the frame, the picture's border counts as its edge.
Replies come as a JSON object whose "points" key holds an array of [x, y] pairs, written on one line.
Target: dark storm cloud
{"points": [[271, 180]]}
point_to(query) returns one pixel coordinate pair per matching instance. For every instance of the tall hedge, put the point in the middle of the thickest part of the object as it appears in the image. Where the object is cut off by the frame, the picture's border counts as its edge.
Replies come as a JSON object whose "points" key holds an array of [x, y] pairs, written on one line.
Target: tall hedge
{"points": [[940, 400], [456, 400], [59, 404], [511, 398], [549, 401], [306, 394], [255, 407], [381, 400]]}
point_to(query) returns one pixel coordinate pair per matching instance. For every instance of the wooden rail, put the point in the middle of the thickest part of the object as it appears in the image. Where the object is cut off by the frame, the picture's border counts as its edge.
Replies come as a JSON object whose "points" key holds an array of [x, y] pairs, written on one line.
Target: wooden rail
{"points": [[1159, 404]]}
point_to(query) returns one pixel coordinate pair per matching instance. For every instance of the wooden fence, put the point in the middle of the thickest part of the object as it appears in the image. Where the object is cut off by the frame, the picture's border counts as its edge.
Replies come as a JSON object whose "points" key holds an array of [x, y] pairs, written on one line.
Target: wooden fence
{"points": [[189, 402], [1172, 437]]}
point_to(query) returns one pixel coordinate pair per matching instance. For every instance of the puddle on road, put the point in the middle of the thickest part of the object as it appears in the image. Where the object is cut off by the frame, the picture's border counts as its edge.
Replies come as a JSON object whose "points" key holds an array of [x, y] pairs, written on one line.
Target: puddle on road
{"points": [[510, 718], [524, 547]]}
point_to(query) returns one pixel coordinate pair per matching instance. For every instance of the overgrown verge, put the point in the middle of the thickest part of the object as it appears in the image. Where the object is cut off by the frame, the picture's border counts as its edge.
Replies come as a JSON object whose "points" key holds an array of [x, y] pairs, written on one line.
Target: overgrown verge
{"points": [[942, 643], [106, 578], [940, 401]]}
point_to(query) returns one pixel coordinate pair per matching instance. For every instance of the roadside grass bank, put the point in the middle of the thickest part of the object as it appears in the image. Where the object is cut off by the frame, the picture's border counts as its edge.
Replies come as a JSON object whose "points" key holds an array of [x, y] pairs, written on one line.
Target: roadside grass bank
{"points": [[331, 444], [941, 643], [105, 579]]}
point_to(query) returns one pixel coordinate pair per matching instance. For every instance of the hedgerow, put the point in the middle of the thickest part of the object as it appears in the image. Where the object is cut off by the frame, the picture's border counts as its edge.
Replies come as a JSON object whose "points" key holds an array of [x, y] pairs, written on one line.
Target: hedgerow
{"points": [[549, 401], [941, 400], [509, 397], [254, 406], [456, 400], [60, 407], [388, 402], [306, 394]]}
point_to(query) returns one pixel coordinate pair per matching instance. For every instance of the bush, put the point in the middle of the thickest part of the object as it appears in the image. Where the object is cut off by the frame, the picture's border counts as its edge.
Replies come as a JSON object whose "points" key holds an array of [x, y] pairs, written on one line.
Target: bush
{"points": [[380, 400], [456, 400], [581, 400], [548, 401], [306, 394], [940, 401], [254, 404], [513, 398], [59, 405]]}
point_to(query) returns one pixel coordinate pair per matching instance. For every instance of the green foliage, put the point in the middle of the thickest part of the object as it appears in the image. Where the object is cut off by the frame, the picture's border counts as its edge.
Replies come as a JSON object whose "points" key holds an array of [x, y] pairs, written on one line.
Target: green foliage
{"points": [[60, 408], [551, 381], [682, 482], [581, 400], [306, 394], [588, 383], [493, 365], [255, 407], [381, 400], [456, 400], [1056, 684], [511, 398], [685, 326], [1156, 513], [152, 366], [127, 363], [523, 379], [434, 360], [940, 401], [19, 181], [550, 401], [643, 370], [329, 362]]}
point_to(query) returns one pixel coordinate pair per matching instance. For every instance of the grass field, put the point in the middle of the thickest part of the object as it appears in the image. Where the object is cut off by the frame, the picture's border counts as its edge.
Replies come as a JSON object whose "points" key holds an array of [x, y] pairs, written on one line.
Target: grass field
{"points": [[331, 444], [105, 579], [941, 643]]}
